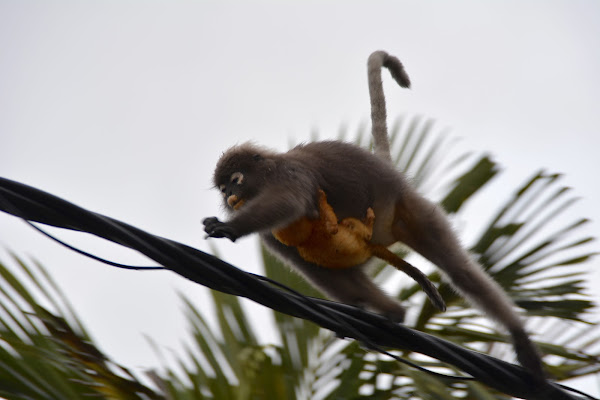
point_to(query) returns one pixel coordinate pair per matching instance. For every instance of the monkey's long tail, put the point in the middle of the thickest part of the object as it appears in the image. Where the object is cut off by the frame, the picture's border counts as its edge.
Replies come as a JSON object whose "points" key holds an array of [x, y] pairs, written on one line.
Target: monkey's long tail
{"points": [[377, 60], [419, 277]]}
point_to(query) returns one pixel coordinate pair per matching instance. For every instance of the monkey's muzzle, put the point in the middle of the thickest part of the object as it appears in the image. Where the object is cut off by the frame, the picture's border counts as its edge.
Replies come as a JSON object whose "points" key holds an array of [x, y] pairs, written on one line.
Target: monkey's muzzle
{"points": [[235, 202]]}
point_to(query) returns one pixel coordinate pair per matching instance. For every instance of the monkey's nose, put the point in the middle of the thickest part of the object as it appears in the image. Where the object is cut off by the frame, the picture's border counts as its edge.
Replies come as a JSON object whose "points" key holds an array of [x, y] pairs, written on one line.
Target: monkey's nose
{"points": [[234, 202], [231, 200]]}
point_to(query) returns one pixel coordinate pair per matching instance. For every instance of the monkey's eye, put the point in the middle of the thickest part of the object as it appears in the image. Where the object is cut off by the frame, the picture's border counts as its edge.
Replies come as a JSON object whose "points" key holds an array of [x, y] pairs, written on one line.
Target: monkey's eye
{"points": [[222, 188], [237, 178]]}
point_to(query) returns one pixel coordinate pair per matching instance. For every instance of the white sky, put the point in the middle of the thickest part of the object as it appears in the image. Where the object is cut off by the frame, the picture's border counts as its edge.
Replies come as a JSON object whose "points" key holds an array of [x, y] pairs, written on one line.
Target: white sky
{"points": [[123, 107]]}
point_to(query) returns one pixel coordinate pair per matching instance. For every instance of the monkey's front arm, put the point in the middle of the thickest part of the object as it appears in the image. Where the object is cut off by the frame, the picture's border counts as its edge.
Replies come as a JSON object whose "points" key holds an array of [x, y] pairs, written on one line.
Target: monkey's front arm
{"points": [[269, 210]]}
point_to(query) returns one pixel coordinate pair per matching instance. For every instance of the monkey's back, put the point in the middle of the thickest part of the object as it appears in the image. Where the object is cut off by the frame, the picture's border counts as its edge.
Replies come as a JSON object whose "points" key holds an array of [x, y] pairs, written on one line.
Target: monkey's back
{"points": [[353, 178]]}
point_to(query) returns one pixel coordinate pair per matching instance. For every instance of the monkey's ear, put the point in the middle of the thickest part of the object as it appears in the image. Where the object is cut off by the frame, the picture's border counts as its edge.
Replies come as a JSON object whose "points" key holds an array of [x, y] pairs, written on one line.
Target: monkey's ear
{"points": [[257, 157]]}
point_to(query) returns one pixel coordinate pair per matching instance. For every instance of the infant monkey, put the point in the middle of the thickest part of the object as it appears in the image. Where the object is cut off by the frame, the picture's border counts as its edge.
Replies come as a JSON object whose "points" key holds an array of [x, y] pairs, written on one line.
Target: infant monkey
{"points": [[266, 191], [329, 244]]}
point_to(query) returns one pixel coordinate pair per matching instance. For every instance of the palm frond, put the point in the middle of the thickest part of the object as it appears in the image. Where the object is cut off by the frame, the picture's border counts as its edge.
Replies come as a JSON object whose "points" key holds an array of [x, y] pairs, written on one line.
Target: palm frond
{"points": [[48, 355]]}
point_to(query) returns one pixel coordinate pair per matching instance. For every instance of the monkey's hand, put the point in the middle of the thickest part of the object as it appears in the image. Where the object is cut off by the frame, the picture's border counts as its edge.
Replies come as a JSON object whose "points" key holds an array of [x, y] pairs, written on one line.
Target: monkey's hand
{"points": [[217, 229]]}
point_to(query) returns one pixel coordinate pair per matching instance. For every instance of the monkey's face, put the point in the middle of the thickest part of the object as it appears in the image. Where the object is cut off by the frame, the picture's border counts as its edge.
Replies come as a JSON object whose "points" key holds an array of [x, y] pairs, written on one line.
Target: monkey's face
{"points": [[240, 175], [233, 191]]}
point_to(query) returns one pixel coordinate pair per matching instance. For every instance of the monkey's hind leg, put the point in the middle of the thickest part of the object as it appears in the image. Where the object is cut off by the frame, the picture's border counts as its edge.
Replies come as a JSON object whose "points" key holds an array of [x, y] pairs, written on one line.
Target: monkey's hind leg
{"points": [[427, 286], [423, 227]]}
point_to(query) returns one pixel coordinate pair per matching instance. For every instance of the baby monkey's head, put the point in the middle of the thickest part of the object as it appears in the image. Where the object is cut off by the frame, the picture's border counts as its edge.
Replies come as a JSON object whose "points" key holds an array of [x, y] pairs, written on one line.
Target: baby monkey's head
{"points": [[241, 172]]}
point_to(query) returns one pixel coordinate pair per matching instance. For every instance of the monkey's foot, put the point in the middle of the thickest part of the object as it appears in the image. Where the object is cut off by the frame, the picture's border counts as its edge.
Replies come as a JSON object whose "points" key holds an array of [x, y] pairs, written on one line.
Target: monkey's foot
{"points": [[528, 354]]}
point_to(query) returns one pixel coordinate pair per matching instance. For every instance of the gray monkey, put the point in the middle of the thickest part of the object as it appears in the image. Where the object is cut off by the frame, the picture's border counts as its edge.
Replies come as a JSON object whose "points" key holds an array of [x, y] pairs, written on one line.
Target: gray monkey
{"points": [[264, 190]]}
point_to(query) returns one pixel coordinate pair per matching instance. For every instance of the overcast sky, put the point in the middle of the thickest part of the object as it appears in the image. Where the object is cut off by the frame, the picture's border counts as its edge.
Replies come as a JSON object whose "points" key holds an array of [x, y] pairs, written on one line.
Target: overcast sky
{"points": [[123, 107]]}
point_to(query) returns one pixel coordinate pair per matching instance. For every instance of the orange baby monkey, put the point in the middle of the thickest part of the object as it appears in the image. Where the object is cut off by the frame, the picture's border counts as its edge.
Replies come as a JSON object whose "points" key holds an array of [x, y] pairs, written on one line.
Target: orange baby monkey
{"points": [[345, 244]]}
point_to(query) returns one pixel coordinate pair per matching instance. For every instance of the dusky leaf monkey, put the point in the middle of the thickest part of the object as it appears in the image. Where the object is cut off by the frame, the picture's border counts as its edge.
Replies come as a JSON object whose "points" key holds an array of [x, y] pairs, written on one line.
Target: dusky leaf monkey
{"points": [[266, 191]]}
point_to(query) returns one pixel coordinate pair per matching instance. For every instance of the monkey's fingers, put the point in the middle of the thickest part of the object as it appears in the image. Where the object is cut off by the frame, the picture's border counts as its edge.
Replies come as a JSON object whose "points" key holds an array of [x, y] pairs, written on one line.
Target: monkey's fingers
{"points": [[210, 224], [217, 229], [223, 232], [210, 220]]}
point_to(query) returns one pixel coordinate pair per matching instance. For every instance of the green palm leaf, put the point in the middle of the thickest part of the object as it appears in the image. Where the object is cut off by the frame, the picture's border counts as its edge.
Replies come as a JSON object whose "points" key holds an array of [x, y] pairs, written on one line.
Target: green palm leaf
{"points": [[48, 355]]}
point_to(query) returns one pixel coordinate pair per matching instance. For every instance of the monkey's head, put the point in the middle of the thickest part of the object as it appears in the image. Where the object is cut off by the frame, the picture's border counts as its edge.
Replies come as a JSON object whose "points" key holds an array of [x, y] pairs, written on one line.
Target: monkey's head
{"points": [[241, 172]]}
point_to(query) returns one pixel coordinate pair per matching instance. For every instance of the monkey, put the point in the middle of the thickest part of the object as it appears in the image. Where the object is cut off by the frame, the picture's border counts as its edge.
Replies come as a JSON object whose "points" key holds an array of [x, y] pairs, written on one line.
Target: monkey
{"points": [[264, 190], [330, 244]]}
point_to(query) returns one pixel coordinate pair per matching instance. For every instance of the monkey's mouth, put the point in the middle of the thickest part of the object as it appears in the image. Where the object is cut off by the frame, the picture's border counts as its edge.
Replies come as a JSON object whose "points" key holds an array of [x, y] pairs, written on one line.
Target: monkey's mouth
{"points": [[235, 202]]}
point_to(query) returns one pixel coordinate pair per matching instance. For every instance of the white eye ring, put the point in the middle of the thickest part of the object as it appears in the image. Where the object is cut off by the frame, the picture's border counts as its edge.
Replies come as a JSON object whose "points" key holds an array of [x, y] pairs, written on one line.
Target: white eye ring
{"points": [[238, 177], [222, 188]]}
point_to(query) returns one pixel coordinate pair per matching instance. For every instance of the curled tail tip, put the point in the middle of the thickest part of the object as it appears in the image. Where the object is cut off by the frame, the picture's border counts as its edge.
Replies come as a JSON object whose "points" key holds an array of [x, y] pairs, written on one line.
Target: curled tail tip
{"points": [[403, 79], [381, 58], [378, 54], [394, 65]]}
